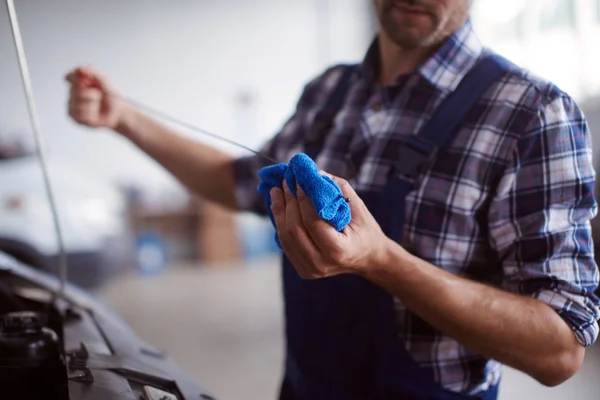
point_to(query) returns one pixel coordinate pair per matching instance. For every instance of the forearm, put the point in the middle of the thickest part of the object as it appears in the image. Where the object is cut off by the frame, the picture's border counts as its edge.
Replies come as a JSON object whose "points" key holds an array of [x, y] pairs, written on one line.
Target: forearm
{"points": [[205, 171], [518, 331]]}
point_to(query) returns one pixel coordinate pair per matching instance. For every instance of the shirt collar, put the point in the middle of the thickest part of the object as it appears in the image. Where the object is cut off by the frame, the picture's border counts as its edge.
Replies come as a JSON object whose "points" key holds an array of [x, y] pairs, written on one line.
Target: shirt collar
{"points": [[446, 67]]}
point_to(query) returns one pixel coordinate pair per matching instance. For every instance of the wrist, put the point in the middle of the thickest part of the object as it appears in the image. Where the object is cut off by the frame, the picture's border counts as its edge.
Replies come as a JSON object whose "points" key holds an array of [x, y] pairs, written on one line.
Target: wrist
{"points": [[127, 125], [388, 255]]}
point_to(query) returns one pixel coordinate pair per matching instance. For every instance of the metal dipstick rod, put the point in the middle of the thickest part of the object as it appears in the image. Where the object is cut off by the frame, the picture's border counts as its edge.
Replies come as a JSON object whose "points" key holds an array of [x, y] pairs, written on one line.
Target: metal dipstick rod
{"points": [[35, 124], [191, 127], [91, 82]]}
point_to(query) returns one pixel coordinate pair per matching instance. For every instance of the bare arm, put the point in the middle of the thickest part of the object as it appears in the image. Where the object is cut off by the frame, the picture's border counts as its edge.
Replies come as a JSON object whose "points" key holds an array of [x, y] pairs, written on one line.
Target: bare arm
{"points": [[515, 330], [205, 171], [546, 315]]}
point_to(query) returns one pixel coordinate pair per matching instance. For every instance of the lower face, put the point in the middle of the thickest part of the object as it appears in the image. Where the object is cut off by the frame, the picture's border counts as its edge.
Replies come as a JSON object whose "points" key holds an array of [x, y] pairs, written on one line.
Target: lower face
{"points": [[417, 23]]}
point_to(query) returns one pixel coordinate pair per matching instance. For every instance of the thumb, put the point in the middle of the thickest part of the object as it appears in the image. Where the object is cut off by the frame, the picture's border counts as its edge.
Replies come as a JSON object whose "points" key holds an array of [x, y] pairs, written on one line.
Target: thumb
{"points": [[71, 77], [87, 78]]}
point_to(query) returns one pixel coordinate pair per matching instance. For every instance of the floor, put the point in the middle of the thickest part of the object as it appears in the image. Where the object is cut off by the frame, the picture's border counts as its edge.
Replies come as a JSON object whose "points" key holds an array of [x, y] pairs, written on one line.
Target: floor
{"points": [[223, 325]]}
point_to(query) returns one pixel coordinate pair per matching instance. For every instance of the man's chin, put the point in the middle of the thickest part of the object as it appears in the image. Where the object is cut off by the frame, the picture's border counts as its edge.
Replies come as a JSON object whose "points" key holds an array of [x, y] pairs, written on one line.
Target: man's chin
{"points": [[409, 40], [409, 34]]}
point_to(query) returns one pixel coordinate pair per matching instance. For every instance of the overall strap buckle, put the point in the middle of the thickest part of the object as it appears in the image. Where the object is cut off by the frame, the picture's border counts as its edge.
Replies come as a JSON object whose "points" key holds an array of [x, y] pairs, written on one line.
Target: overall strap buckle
{"points": [[413, 155]]}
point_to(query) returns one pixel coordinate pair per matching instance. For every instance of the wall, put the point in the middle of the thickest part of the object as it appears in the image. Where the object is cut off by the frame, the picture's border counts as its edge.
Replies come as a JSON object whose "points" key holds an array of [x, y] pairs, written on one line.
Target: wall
{"points": [[556, 39], [197, 59], [191, 59]]}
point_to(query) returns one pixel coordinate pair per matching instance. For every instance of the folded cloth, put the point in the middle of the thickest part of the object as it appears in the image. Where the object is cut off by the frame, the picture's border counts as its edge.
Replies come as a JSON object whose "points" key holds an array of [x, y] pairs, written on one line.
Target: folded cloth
{"points": [[325, 195]]}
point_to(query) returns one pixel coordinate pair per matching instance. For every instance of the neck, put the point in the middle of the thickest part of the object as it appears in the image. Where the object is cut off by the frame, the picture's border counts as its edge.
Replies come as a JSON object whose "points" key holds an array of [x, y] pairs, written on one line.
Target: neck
{"points": [[396, 61]]}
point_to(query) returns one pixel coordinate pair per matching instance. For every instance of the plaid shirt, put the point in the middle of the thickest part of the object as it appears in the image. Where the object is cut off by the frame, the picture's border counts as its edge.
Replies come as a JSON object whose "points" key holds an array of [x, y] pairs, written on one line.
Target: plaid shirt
{"points": [[507, 202]]}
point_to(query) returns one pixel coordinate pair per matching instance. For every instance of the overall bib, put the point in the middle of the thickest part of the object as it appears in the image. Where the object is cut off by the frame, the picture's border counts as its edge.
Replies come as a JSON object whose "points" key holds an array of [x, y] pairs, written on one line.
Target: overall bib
{"points": [[341, 335]]}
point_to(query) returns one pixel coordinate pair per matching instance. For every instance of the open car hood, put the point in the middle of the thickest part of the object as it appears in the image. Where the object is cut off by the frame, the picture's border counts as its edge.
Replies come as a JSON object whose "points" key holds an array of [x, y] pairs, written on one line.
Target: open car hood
{"points": [[103, 357]]}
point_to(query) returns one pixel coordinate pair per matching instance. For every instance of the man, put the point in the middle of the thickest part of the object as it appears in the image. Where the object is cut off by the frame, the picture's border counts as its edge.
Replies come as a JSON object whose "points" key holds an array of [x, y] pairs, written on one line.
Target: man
{"points": [[483, 257]]}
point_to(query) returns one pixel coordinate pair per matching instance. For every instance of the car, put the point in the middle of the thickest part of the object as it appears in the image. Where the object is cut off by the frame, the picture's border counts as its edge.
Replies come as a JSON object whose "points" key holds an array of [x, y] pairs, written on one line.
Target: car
{"points": [[93, 217], [75, 347]]}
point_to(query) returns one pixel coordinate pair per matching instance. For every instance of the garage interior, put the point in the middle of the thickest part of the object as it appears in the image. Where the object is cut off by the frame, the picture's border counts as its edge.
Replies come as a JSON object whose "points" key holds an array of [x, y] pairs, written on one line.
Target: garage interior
{"points": [[200, 282]]}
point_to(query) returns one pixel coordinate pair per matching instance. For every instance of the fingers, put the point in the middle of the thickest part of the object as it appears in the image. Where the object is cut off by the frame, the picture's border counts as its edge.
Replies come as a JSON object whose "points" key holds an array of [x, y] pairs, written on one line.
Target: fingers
{"points": [[278, 209], [85, 95], [90, 77], [294, 238], [357, 206], [87, 78], [78, 77], [84, 115], [84, 104], [295, 228], [81, 91], [347, 189], [71, 77], [319, 230], [89, 94], [309, 215]]}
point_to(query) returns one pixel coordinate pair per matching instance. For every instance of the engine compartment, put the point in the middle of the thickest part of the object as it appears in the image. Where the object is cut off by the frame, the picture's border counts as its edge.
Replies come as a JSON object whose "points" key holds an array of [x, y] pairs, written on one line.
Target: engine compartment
{"points": [[74, 347], [32, 363]]}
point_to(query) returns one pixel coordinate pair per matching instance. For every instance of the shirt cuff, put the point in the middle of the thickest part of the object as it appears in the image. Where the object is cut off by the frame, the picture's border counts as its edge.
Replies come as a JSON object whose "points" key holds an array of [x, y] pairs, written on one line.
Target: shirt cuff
{"points": [[574, 309], [245, 172]]}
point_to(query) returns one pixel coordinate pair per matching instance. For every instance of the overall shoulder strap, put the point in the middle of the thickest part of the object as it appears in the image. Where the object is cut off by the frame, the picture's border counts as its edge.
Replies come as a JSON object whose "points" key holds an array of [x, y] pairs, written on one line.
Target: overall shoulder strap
{"points": [[324, 118], [419, 149], [445, 121]]}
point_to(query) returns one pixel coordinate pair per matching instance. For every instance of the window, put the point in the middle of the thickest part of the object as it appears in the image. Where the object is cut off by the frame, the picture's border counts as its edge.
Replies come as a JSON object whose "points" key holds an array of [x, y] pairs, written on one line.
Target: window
{"points": [[512, 30], [558, 14]]}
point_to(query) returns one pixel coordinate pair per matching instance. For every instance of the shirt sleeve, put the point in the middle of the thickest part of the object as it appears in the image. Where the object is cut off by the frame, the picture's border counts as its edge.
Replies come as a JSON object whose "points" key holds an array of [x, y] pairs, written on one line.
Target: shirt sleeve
{"points": [[289, 141], [246, 168], [539, 218]]}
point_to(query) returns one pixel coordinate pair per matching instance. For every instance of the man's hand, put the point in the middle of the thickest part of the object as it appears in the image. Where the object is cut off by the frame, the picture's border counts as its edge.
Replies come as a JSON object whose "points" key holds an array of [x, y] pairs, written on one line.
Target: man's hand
{"points": [[90, 99], [314, 247]]}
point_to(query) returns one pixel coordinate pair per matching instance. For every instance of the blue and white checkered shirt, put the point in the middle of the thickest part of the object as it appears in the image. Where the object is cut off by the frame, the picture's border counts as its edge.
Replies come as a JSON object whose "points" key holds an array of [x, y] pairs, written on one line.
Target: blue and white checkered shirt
{"points": [[507, 202]]}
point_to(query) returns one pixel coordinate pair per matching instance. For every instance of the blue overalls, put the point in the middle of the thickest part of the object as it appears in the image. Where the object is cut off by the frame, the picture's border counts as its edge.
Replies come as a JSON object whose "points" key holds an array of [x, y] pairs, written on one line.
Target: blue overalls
{"points": [[341, 340]]}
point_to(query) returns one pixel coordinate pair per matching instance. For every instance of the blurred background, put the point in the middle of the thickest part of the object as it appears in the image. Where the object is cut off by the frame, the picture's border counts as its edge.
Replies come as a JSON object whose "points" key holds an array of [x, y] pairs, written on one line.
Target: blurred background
{"points": [[188, 276]]}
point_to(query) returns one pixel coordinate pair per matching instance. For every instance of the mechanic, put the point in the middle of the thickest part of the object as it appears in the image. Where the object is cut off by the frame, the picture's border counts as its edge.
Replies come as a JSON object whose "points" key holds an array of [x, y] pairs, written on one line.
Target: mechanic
{"points": [[470, 184]]}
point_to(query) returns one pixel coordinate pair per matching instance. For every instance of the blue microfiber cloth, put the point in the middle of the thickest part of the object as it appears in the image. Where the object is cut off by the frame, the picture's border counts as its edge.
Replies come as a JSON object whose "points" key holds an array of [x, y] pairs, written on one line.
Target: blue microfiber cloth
{"points": [[325, 195]]}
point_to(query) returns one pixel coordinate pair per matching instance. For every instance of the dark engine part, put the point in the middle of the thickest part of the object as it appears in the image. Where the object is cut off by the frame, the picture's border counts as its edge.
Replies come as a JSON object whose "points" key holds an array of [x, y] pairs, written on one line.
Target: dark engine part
{"points": [[31, 362], [74, 347]]}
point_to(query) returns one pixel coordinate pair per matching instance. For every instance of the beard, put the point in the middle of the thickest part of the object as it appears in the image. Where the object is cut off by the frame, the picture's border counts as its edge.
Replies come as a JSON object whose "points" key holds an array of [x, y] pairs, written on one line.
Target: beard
{"points": [[409, 32]]}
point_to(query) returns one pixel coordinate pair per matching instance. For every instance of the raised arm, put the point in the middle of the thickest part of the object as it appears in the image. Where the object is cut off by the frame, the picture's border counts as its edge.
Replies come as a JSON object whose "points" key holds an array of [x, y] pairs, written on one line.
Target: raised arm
{"points": [[205, 171]]}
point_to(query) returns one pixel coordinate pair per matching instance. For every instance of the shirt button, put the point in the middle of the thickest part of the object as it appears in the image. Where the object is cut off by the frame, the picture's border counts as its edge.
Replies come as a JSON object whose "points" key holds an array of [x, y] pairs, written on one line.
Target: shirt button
{"points": [[378, 106]]}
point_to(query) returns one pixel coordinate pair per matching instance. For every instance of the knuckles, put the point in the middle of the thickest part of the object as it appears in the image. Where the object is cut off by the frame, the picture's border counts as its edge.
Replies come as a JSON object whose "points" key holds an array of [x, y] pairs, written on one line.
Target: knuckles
{"points": [[303, 274], [313, 224], [303, 198], [276, 207], [276, 204], [342, 182], [338, 256], [344, 185], [311, 275], [293, 232], [288, 195]]}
